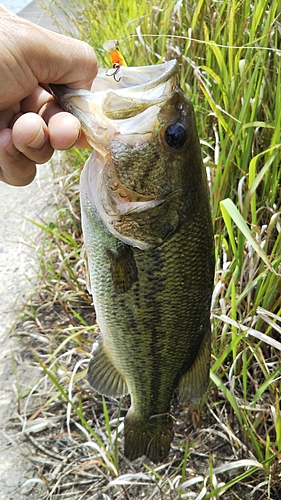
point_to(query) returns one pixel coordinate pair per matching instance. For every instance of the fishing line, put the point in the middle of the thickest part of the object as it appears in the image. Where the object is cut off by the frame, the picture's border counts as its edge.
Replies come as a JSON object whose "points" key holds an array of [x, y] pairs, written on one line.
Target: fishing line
{"points": [[206, 42]]}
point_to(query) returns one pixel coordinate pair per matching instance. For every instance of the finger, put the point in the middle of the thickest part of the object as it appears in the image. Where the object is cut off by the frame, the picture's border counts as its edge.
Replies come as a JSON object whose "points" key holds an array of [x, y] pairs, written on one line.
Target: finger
{"points": [[30, 136], [71, 62], [64, 128], [7, 116], [65, 132], [35, 101], [15, 168]]}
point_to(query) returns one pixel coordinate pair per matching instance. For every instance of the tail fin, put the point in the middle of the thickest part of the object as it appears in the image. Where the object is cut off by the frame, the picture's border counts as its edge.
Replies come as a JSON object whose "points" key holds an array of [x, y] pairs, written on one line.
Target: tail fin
{"points": [[151, 437]]}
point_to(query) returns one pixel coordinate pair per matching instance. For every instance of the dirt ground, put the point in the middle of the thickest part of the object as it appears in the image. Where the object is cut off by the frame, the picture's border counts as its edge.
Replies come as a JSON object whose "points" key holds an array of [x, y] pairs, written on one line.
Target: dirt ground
{"points": [[18, 263]]}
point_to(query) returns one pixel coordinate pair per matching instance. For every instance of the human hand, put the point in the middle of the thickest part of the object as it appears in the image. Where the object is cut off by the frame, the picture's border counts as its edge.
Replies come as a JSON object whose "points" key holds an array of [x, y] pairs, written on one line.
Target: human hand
{"points": [[32, 124]]}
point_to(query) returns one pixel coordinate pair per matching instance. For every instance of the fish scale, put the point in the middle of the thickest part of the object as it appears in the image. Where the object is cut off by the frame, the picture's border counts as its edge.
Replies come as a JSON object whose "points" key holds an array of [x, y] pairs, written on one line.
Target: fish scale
{"points": [[148, 237]]}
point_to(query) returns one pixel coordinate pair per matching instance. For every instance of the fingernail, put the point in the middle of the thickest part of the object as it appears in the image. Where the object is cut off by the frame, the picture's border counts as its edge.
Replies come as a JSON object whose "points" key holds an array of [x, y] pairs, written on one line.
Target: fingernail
{"points": [[12, 151], [39, 140]]}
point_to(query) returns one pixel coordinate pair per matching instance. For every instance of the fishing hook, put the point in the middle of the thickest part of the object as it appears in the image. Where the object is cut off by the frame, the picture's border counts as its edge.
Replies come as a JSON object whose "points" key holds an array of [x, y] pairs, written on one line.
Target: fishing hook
{"points": [[116, 67]]}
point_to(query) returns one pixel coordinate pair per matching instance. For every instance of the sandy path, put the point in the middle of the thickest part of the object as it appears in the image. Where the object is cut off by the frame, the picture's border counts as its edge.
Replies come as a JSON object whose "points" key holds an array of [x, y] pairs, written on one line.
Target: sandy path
{"points": [[18, 260]]}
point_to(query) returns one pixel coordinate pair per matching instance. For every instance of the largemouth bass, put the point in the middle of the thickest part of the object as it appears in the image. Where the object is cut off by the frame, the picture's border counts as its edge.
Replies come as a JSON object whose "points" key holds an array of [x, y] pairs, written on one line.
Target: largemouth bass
{"points": [[148, 237]]}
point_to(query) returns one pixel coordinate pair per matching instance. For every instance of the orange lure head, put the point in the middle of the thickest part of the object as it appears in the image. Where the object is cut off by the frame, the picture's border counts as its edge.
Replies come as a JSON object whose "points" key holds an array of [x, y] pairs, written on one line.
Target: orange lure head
{"points": [[112, 46]]}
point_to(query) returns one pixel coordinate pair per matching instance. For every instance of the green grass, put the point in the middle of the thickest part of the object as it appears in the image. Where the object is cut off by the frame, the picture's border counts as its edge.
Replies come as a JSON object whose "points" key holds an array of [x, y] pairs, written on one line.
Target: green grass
{"points": [[229, 55]]}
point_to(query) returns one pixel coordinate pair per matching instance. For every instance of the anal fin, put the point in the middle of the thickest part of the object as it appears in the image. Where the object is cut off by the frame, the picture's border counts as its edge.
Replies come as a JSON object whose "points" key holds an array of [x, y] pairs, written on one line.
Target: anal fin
{"points": [[103, 376], [193, 384]]}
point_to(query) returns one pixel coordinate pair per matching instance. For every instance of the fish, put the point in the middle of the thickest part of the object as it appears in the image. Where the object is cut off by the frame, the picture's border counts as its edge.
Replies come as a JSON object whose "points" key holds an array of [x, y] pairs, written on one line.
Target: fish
{"points": [[149, 242]]}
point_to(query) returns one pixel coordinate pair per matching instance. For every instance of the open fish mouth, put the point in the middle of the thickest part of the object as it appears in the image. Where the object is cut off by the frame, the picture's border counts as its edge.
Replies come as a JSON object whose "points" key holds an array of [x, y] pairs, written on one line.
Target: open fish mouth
{"points": [[136, 88], [127, 106]]}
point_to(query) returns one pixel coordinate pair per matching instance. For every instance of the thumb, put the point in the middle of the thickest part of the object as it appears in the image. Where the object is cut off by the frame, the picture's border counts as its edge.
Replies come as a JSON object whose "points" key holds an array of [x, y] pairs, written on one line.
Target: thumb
{"points": [[64, 60], [31, 54]]}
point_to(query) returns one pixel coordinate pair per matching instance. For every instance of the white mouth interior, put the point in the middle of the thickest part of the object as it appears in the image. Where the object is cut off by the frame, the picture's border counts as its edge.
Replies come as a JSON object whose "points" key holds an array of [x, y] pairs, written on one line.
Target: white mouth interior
{"points": [[137, 88]]}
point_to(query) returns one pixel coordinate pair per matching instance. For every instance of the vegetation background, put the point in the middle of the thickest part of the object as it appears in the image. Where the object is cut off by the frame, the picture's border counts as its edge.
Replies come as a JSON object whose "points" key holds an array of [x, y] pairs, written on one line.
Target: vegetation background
{"points": [[228, 445]]}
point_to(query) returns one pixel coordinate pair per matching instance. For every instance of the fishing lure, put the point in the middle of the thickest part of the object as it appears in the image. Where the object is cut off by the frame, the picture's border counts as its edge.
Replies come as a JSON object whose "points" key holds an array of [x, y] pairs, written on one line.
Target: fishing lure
{"points": [[112, 46]]}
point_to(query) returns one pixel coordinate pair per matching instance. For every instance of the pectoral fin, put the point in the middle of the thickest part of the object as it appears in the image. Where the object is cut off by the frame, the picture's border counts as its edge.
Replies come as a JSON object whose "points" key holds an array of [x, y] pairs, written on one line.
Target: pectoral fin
{"points": [[103, 376], [123, 268], [194, 382]]}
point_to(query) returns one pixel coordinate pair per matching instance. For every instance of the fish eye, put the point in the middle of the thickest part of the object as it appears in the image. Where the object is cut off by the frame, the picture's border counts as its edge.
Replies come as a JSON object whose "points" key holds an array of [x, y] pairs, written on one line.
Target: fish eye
{"points": [[176, 135]]}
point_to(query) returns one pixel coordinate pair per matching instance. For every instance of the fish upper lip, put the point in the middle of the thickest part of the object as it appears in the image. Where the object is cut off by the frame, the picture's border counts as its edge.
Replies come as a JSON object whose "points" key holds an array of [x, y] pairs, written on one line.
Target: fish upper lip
{"points": [[135, 78]]}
